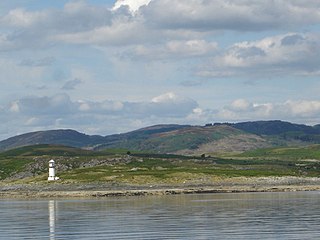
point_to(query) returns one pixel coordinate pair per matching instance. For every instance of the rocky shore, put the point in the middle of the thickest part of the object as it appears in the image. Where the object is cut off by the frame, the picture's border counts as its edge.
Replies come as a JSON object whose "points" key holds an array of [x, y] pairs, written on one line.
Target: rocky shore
{"points": [[94, 190]]}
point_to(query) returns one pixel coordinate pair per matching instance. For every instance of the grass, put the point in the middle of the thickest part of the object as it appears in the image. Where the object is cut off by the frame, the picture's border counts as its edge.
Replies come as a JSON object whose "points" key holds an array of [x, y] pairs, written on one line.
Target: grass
{"points": [[151, 171], [291, 153], [51, 150], [116, 166], [11, 166]]}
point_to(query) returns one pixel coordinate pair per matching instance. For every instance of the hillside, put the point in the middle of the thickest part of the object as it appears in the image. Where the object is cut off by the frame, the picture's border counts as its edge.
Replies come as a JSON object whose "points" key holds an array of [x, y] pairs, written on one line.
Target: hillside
{"points": [[60, 137], [195, 139], [77, 166], [282, 130], [181, 139]]}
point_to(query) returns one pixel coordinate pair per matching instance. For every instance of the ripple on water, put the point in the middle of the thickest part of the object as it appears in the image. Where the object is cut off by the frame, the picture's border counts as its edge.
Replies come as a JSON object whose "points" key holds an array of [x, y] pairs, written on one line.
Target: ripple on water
{"points": [[204, 216]]}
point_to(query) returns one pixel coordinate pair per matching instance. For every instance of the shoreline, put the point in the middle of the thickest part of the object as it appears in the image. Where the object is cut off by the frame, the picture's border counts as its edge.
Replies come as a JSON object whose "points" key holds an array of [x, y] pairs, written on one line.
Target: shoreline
{"points": [[60, 189], [146, 192]]}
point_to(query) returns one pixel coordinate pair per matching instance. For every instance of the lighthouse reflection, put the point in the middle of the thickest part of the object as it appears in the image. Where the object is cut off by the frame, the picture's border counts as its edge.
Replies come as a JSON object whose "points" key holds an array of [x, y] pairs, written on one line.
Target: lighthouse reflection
{"points": [[52, 218]]}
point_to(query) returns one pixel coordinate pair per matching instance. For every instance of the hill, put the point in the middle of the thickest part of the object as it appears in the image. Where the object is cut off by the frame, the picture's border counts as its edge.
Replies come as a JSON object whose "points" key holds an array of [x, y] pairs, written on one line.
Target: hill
{"points": [[77, 166], [59, 137], [192, 140], [282, 130], [181, 139]]}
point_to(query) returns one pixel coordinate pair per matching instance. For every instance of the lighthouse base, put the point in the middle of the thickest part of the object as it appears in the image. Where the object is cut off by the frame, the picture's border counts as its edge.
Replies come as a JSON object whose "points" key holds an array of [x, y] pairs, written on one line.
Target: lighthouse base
{"points": [[53, 178]]}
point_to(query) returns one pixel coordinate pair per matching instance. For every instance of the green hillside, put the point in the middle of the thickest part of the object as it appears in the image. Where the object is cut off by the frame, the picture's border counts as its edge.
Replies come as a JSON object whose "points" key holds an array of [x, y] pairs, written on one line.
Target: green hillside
{"points": [[58, 137], [30, 165], [213, 139], [49, 150], [190, 138], [292, 153]]}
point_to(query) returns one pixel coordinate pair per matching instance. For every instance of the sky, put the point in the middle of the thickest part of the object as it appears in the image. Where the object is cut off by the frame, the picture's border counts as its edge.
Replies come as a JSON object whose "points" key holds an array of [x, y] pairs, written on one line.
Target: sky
{"points": [[106, 66]]}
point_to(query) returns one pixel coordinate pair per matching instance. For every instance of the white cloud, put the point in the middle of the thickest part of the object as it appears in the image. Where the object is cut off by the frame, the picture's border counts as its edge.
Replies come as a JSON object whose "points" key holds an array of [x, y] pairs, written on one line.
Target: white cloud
{"points": [[37, 106], [36, 29], [299, 110], [21, 18], [143, 47], [84, 106], [167, 97], [289, 54], [303, 108], [238, 15], [175, 49], [133, 5], [121, 32], [240, 105], [59, 111], [82, 23]]}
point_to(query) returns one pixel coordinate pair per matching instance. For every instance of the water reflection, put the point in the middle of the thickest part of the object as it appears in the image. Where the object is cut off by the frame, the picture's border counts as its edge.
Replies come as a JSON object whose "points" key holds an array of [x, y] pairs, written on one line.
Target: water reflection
{"points": [[52, 218], [211, 216]]}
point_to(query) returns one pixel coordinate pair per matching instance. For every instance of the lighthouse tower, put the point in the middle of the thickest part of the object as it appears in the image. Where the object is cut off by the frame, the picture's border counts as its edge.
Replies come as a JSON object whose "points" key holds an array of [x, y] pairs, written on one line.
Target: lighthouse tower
{"points": [[52, 174]]}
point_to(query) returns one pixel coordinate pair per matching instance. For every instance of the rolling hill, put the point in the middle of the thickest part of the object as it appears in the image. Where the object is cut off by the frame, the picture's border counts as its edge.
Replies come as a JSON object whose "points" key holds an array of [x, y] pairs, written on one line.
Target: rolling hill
{"points": [[182, 139], [78, 166], [61, 137]]}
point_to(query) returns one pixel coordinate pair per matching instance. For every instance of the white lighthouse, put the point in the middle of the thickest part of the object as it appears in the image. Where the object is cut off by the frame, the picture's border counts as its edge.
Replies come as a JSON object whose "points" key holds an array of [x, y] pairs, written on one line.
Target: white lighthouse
{"points": [[52, 174]]}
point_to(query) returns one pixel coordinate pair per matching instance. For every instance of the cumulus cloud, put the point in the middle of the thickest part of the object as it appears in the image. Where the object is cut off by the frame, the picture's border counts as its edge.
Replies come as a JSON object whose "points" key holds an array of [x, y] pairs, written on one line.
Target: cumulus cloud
{"points": [[238, 15], [240, 105], [165, 105], [149, 21], [133, 5], [121, 32], [292, 110], [109, 116], [21, 18], [167, 97], [175, 49], [35, 29], [304, 111], [180, 36], [60, 111], [289, 54], [37, 106]]}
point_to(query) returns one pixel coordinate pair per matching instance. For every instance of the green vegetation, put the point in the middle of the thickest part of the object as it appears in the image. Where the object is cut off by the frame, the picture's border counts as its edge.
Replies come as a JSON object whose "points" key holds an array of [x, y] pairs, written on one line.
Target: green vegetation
{"points": [[117, 166], [10, 166], [50, 150], [179, 139], [140, 157], [292, 153]]}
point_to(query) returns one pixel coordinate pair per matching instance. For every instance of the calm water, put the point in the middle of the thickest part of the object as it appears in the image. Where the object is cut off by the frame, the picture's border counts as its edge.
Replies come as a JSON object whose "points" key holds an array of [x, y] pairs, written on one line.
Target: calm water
{"points": [[206, 216]]}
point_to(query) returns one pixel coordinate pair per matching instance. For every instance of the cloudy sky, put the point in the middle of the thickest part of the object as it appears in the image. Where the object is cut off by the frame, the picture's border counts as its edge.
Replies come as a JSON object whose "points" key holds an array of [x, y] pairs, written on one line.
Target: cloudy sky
{"points": [[107, 66]]}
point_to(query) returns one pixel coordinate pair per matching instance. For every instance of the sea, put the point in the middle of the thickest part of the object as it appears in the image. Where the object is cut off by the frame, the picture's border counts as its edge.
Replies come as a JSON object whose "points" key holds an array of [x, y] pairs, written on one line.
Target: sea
{"points": [[285, 215]]}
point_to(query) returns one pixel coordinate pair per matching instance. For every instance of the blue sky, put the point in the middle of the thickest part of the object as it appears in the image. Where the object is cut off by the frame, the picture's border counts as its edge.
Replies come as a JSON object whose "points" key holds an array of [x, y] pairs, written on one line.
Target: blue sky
{"points": [[104, 67]]}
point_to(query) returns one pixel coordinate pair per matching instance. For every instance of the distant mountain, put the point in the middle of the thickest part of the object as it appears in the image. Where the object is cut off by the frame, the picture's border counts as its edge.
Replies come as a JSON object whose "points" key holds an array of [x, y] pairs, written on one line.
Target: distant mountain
{"points": [[60, 137], [282, 130], [276, 127], [182, 139], [136, 139], [187, 139]]}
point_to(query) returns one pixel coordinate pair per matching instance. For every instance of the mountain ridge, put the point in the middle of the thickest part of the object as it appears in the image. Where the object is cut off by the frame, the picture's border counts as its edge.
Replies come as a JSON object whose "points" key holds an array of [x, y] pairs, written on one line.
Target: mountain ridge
{"points": [[174, 138]]}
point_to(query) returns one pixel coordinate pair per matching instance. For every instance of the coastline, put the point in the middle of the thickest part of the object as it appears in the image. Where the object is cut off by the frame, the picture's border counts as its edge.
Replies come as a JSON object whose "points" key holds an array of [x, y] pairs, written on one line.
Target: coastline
{"points": [[148, 192], [100, 190]]}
